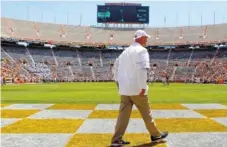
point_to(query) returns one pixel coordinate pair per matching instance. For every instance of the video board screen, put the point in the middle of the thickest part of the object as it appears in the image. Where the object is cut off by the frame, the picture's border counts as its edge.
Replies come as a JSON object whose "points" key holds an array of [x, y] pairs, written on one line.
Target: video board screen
{"points": [[123, 14]]}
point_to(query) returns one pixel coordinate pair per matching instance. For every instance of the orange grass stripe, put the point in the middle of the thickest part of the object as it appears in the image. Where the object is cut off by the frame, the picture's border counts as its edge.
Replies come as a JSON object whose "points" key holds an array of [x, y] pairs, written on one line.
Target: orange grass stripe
{"points": [[213, 113], [17, 113], [190, 125], [111, 114], [44, 126]]}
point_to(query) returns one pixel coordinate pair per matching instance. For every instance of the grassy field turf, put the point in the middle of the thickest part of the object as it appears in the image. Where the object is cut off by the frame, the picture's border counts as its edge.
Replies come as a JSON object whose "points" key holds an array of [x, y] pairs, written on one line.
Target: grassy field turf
{"points": [[85, 93]]}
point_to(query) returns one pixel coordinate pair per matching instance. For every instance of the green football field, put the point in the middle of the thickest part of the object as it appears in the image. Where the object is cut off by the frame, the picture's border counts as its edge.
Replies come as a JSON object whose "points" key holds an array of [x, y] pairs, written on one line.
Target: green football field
{"points": [[84, 115], [95, 93]]}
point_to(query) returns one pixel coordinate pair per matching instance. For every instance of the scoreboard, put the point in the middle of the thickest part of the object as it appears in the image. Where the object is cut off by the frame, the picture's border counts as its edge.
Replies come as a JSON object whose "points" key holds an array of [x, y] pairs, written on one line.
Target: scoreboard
{"points": [[123, 14]]}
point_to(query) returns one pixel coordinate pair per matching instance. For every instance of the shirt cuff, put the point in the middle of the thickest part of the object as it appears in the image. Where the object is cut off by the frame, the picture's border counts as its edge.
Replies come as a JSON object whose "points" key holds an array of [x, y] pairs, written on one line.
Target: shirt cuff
{"points": [[144, 65]]}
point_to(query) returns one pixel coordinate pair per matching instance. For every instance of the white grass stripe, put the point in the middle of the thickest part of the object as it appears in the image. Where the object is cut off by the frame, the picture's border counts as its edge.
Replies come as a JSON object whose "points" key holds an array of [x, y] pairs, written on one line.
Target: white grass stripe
{"points": [[173, 113], [204, 106], [176, 114], [35, 140], [108, 125], [222, 120], [97, 126], [8, 121], [205, 139], [28, 106], [110, 107], [136, 126], [61, 114]]}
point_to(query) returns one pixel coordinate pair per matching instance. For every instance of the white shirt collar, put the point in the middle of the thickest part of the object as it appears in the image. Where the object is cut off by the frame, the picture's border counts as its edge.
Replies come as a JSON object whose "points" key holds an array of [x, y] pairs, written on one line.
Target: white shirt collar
{"points": [[136, 43]]}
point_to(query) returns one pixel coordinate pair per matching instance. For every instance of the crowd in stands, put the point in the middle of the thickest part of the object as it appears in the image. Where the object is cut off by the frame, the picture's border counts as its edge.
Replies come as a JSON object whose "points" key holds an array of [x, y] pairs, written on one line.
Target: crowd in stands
{"points": [[20, 64], [202, 66], [39, 69]]}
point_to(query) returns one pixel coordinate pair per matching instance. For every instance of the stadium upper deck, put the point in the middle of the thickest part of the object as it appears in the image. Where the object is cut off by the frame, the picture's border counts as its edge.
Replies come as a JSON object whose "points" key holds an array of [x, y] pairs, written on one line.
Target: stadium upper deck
{"points": [[80, 35]]}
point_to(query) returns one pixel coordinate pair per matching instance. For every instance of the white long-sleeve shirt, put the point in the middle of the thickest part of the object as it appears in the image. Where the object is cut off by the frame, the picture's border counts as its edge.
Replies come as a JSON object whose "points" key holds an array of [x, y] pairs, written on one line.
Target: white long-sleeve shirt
{"points": [[130, 70]]}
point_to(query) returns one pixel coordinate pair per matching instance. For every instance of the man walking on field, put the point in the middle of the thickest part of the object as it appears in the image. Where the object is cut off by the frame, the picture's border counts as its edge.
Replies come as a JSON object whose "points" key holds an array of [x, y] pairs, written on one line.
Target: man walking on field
{"points": [[130, 73]]}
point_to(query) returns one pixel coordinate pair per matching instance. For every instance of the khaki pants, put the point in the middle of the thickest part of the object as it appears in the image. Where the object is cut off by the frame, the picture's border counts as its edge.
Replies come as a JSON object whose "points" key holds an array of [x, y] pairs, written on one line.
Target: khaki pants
{"points": [[142, 104]]}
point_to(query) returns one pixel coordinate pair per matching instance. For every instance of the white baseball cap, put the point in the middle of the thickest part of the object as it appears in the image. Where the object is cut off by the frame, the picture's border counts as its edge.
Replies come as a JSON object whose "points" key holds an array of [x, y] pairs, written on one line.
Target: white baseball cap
{"points": [[141, 33]]}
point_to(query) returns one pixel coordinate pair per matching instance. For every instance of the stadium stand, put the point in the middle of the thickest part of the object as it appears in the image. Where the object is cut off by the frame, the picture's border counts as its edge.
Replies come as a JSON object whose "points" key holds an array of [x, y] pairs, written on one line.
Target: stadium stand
{"points": [[81, 53]]}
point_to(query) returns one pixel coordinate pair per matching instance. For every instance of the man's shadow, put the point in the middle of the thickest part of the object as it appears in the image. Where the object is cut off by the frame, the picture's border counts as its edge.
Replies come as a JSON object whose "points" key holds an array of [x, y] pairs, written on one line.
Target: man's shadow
{"points": [[150, 144], [144, 145]]}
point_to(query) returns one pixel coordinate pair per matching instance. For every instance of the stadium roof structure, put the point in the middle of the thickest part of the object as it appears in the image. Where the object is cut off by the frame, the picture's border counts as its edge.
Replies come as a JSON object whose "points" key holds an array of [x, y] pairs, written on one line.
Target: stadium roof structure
{"points": [[93, 36]]}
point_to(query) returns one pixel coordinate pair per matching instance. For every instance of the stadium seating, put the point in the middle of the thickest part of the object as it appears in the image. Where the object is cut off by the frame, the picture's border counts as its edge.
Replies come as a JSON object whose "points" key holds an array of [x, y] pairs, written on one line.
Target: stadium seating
{"points": [[79, 34], [51, 64]]}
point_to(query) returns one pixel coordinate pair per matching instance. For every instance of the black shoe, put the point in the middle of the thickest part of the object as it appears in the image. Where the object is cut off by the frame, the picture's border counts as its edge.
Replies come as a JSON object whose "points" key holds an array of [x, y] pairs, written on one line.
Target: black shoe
{"points": [[159, 138], [119, 143]]}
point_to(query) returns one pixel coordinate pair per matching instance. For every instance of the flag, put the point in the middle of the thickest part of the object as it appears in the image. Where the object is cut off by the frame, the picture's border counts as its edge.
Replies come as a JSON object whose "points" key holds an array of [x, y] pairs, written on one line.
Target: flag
{"points": [[62, 30], [181, 33], [9, 26], [36, 29], [205, 32], [88, 35], [111, 36], [157, 34]]}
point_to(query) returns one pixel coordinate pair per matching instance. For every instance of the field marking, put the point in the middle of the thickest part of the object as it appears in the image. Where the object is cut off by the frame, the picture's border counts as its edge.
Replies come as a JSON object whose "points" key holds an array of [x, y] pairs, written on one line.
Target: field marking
{"points": [[44, 126], [155, 113], [61, 114], [28, 106], [38, 140], [205, 106]]}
